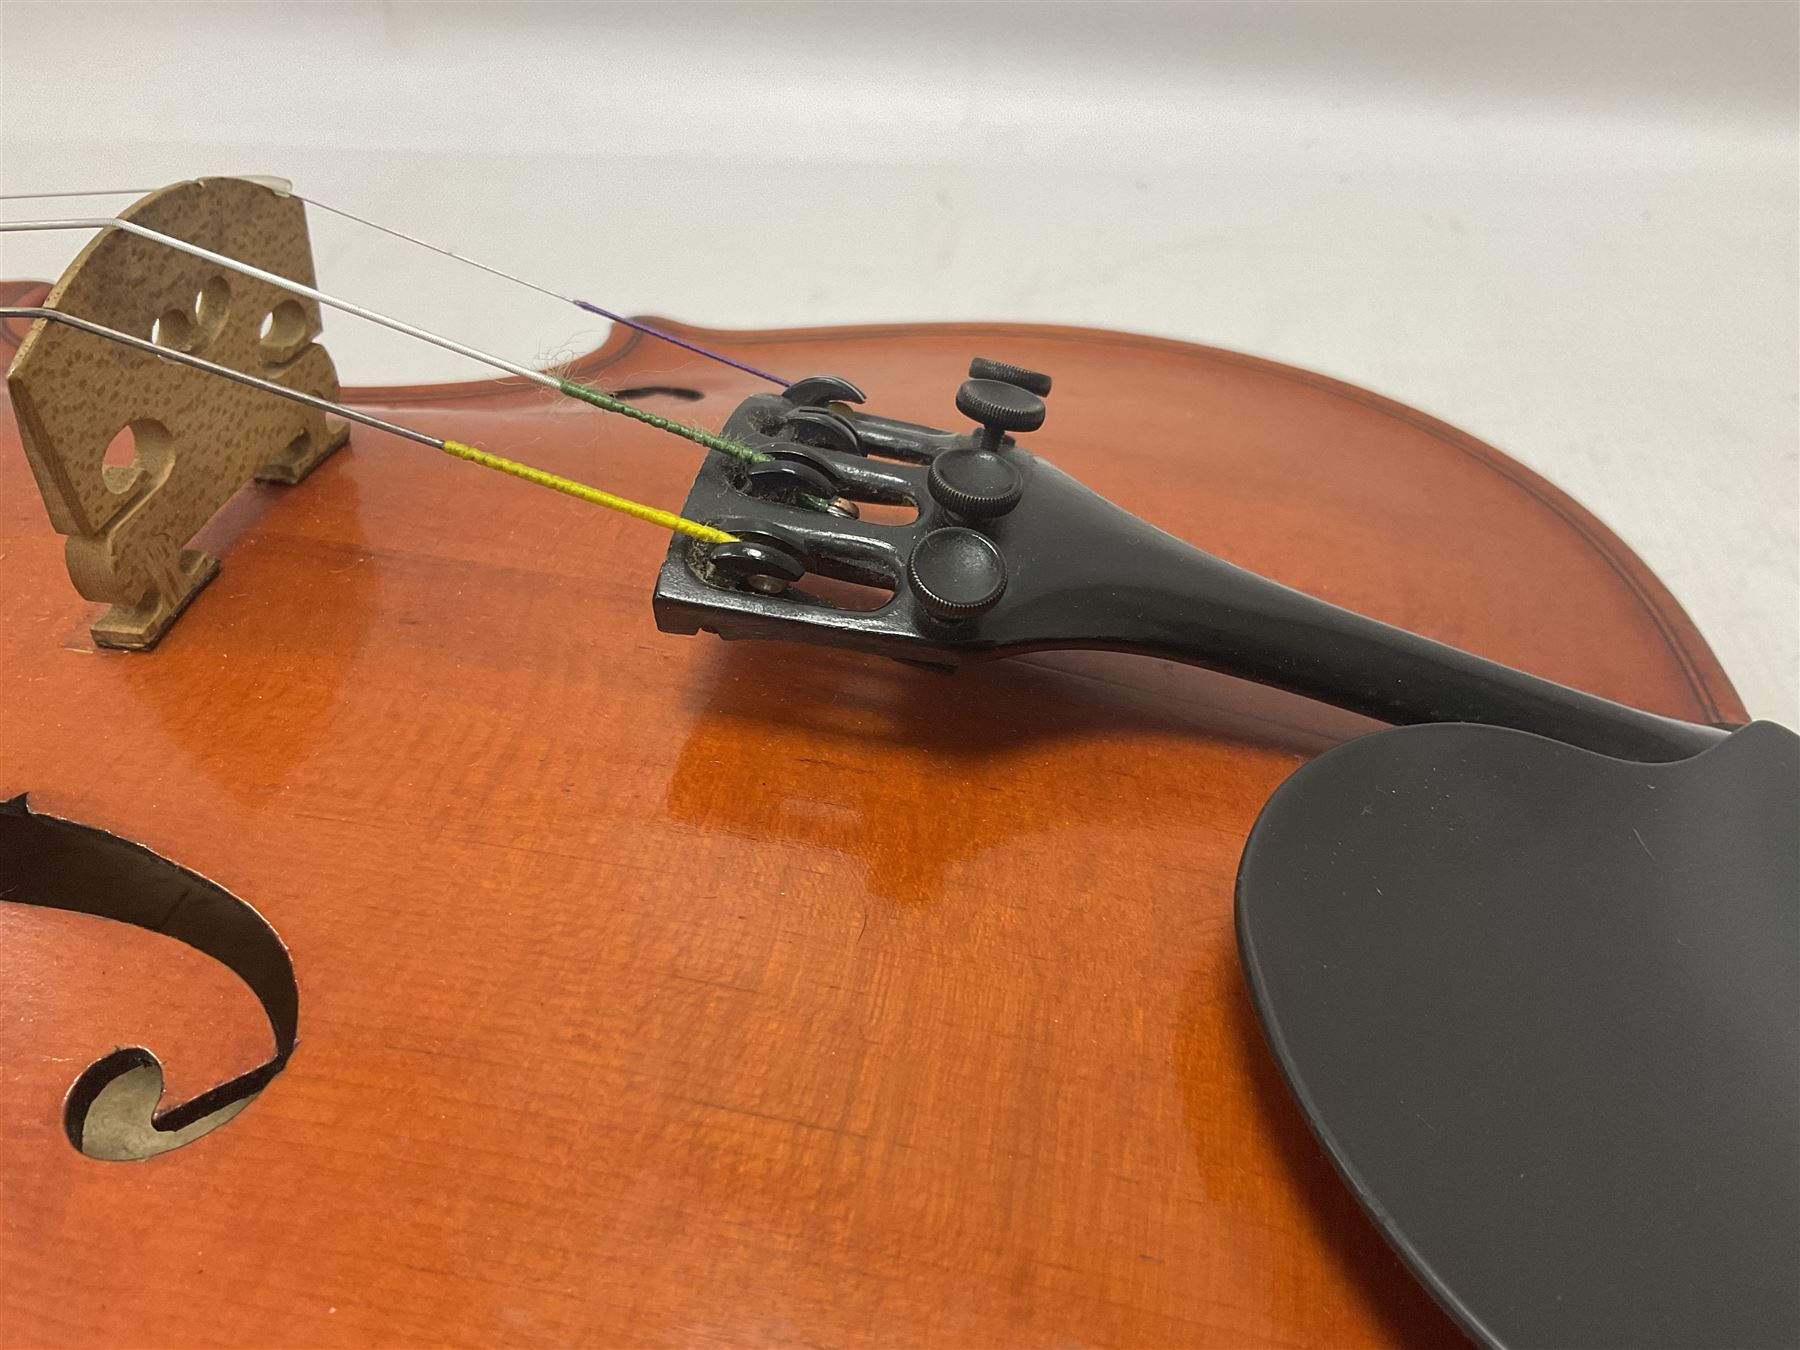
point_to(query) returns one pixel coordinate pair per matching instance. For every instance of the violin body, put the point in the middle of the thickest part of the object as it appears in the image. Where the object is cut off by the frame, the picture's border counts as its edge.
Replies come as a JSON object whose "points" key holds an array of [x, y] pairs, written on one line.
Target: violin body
{"points": [[659, 990]]}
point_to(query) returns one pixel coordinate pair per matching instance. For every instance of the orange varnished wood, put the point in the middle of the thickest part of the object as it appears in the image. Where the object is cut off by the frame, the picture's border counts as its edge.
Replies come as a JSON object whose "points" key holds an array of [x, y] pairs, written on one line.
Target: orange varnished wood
{"points": [[660, 991]]}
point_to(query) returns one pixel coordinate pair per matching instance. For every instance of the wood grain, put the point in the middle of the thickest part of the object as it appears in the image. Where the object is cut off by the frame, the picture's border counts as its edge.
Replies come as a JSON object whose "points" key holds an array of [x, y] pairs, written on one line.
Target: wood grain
{"points": [[658, 991]]}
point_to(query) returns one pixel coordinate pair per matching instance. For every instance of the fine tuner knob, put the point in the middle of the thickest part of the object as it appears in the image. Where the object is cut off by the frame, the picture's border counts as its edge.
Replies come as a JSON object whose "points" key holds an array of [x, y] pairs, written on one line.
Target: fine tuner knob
{"points": [[975, 484], [956, 573], [1000, 408], [981, 368]]}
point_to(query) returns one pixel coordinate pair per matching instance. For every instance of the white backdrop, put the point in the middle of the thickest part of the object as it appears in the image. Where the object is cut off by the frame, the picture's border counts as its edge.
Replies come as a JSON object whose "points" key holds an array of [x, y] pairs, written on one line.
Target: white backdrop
{"points": [[1571, 229]]}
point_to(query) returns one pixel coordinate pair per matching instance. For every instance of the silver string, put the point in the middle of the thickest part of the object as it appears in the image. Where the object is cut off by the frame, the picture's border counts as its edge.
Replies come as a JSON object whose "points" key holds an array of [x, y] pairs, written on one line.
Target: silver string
{"points": [[286, 283], [286, 188], [213, 368]]}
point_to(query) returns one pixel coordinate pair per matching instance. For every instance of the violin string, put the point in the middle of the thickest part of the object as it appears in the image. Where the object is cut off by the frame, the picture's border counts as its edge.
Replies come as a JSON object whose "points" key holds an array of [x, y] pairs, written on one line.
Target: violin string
{"points": [[286, 188], [599, 398], [647, 329], [668, 520], [103, 192]]}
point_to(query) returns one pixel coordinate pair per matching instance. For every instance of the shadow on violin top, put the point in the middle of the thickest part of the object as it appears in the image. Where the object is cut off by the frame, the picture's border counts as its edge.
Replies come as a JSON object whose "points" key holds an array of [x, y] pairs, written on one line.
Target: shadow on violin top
{"points": [[914, 770]]}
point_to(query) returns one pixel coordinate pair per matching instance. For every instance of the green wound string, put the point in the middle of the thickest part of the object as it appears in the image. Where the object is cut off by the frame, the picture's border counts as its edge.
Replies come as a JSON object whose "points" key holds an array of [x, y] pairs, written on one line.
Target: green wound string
{"points": [[724, 445], [699, 436]]}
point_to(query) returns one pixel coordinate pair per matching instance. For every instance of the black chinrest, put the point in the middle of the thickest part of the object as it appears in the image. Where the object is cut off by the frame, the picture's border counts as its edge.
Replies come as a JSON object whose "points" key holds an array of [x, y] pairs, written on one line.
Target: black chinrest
{"points": [[1542, 1008]]}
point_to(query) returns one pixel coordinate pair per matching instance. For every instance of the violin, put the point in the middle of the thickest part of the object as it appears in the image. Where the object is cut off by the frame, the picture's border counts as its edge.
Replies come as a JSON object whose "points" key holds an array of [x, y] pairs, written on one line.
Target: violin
{"points": [[496, 957]]}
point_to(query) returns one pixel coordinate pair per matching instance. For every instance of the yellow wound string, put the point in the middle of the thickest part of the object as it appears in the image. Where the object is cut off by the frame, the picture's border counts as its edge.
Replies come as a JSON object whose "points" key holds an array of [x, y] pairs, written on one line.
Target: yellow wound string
{"points": [[667, 519]]}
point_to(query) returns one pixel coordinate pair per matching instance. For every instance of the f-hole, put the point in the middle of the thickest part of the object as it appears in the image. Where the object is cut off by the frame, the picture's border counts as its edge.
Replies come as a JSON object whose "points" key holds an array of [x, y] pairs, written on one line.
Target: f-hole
{"points": [[679, 393], [114, 1110]]}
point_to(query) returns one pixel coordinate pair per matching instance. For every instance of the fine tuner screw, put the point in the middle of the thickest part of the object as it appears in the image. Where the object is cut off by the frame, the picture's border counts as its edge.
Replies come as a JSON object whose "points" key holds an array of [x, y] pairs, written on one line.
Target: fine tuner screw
{"points": [[1000, 408]]}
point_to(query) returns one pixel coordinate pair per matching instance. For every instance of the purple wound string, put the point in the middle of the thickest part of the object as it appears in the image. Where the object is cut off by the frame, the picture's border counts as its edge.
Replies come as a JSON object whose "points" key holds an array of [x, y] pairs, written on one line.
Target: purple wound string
{"points": [[694, 347]]}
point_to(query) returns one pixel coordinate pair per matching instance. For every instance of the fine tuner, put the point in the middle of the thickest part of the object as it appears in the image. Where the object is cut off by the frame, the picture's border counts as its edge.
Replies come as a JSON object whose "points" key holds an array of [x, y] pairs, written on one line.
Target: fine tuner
{"points": [[1524, 960]]}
